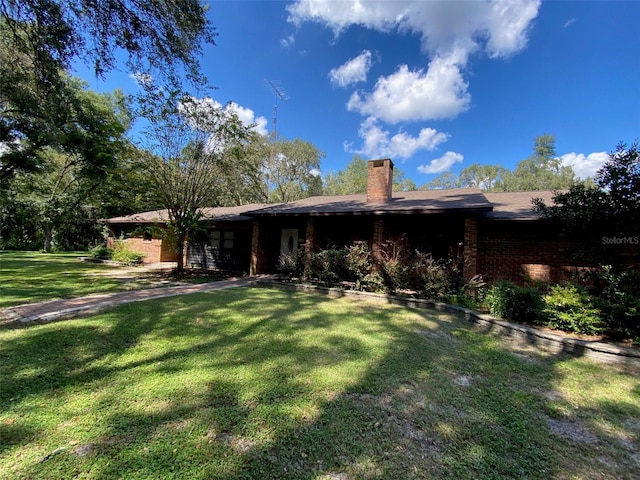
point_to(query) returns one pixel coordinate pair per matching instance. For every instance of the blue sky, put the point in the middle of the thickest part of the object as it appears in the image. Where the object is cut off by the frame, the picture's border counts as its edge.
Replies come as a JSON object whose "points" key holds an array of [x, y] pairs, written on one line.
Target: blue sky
{"points": [[436, 86]]}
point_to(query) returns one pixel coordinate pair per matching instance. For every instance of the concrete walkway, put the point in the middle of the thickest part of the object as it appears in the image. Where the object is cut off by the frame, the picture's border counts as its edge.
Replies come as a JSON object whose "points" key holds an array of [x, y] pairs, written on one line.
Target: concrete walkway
{"points": [[55, 309]]}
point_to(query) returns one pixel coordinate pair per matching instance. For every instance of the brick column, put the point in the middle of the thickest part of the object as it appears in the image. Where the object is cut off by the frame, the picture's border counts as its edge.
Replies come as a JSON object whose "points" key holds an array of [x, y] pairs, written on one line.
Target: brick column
{"points": [[470, 268], [309, 245], [256, 254], [378, 238]]}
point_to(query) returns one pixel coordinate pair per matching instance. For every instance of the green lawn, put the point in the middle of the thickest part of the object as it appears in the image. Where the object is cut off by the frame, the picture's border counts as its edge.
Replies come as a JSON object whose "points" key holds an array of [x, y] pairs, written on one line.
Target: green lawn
{"points": [[27, 277], [264, 383]]}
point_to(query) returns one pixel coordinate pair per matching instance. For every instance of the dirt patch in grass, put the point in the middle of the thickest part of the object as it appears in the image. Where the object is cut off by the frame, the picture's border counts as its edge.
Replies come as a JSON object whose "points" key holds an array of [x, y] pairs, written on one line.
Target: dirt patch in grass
{"points": [[572, 430]]}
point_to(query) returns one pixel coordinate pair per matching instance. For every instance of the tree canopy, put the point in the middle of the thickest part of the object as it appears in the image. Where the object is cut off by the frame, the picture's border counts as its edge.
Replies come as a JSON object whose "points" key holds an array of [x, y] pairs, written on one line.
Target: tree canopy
{"points": [[287, 169], [542, 170], [88, 142], [189, 145], [607, 213], [39, 39]]}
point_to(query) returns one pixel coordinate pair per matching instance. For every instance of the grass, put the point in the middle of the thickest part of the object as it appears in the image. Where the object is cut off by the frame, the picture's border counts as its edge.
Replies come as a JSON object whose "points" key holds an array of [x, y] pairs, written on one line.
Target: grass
{"points": [[261, 383], [27, 277]]}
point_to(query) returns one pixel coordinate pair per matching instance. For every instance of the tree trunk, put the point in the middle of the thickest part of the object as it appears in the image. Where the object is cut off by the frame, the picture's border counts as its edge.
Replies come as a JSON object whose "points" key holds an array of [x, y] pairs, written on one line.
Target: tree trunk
{"points": [[48, 237], [180, 243]]}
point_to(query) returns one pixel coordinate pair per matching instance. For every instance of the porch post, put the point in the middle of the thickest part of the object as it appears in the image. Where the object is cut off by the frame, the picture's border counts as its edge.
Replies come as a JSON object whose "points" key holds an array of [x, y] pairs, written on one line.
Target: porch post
{"points": [[470, 267], [378, 238], [309, 245], [255, 248]]}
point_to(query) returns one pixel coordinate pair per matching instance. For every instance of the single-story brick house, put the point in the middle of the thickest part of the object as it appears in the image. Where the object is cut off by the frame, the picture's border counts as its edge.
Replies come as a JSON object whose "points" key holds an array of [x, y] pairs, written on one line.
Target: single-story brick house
{"points": [[498, 233]]}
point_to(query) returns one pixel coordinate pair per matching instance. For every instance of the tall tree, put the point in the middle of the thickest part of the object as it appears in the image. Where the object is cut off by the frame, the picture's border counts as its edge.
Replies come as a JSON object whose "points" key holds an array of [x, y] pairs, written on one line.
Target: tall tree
{"points": [[542, 170], [443, 181], [290, 169], [484, 177], [90, 140], [40, 38], [285, 170], [607, 213], [189, 141]]}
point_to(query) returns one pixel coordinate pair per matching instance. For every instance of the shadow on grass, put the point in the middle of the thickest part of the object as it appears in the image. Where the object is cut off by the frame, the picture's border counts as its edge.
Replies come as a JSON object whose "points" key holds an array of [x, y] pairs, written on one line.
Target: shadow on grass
{"points": [[260, 383]]}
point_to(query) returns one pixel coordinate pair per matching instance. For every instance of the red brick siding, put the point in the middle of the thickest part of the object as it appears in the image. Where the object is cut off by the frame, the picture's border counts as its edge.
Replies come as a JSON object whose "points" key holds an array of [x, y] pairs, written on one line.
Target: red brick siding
{"points": [[151, 248], [519, 251], [379, 181], [470, 267]]}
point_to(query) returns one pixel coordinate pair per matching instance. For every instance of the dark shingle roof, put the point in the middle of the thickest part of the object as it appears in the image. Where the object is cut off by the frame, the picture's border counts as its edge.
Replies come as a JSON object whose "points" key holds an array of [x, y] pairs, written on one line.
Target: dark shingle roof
{"points": [[419, 201], [216, 213], [494, 206], [516, 205]]}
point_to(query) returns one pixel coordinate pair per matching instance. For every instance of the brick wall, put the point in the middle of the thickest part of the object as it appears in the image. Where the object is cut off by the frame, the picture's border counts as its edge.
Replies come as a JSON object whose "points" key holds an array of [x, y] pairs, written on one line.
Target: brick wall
{"points": [[379, 181], [379, 237], [470, 267], [151, 248], [519, 251]]}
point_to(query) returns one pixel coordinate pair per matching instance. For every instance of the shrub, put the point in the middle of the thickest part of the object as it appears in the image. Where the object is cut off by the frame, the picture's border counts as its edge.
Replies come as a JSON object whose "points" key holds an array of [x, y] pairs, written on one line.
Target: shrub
{"points": [[292, 264], [358, 261], [510, 301], [618, 298], [373, 282], [394, 266], [123, 254], [433, 277], [570, 308], [101, 252], [328, 265]]}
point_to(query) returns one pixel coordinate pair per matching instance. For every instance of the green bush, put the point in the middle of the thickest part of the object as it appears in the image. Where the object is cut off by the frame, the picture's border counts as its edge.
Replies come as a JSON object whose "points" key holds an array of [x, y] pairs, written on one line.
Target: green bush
{"points": [[619, 299], [571, 308], [358, 260], [292, 264], [434, 278], [395, 266], [510, 301], [328, 265], [123, 254], [101, 252], [373, 282]]}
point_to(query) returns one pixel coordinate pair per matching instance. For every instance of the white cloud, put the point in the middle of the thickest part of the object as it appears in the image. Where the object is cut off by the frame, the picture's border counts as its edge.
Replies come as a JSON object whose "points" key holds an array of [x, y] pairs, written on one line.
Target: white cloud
{"points": [[450, 32], [352, 71], [441, 164], [443, 26], [585, 166], [411, 95], [508, 25], [378, 143], [288, 41], [569, 22], [247, 116]]}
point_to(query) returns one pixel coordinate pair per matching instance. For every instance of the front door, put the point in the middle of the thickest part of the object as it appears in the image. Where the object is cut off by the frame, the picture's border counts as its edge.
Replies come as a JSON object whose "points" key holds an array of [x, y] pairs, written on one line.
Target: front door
{"points": [[289, 241]]}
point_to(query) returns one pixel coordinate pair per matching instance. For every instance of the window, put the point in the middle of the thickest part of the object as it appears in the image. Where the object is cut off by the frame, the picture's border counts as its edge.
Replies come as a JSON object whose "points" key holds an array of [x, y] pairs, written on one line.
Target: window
{"points": [[216, 236], [228, 240], [147, 236], [221, 239]]}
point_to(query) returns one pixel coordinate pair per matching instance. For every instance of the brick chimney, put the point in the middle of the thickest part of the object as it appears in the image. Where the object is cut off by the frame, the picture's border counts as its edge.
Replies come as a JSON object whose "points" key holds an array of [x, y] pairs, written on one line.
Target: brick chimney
{"points": [[379, 181]]}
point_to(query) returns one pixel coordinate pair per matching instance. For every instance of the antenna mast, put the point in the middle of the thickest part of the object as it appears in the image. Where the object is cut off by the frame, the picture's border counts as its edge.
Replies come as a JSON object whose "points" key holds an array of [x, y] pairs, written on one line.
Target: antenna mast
{"points": [[279, 94]]}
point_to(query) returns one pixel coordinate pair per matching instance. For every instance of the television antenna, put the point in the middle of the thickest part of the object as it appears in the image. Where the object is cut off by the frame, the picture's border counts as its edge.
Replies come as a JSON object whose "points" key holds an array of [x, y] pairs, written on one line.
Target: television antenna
{"points": [[279, 94]]}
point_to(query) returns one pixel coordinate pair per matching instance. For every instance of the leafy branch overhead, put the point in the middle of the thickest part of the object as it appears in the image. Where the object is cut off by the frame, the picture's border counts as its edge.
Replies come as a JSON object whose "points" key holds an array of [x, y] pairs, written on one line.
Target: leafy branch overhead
{"points": [[39, 40], [159, 37]]}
